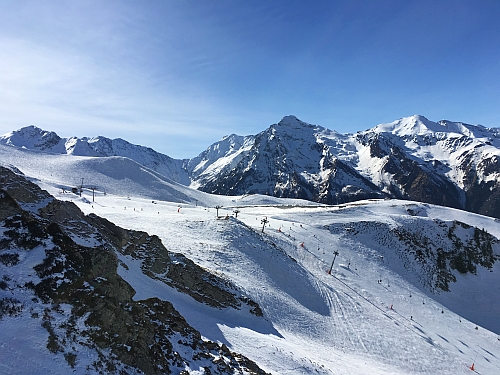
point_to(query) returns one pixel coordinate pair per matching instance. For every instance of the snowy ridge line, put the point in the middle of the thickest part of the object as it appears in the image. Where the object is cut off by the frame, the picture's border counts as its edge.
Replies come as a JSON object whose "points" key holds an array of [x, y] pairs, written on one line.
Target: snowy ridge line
{"points": [[445, 163]]}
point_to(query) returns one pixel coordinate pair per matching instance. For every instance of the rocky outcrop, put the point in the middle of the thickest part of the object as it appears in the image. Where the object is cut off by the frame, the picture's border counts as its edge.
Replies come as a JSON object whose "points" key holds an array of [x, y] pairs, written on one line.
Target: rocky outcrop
{"points": [[77, 285], [433, 251]]}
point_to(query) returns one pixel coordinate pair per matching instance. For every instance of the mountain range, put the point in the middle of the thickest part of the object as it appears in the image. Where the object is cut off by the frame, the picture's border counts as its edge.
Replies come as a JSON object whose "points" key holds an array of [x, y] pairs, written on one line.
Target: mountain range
{"points": [[446, 163]]}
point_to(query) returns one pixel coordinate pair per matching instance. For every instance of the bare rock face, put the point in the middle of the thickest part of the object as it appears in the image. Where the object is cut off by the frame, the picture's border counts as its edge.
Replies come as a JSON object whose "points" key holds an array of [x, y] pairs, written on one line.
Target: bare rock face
{"points": [[94, 306]]}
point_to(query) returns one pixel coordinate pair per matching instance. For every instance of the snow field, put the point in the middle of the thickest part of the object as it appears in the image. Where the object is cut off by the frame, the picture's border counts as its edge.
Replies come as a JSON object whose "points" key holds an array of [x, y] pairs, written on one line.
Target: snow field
{"points": [[333, 324], [313, 322]]}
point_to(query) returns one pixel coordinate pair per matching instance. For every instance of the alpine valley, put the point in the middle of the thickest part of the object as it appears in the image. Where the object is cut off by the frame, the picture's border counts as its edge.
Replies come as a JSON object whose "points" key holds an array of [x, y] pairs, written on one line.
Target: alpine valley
{"points": [[298, 250]]}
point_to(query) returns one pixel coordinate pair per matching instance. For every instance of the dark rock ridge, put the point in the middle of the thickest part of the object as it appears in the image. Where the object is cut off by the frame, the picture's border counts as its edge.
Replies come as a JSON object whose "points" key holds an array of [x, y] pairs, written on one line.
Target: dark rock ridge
{"points": [[77, 285]]}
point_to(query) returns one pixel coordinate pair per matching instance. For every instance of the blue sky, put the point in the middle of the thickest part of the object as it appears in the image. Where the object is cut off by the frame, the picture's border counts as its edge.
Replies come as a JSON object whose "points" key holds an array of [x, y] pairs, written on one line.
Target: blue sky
{"points": [[179, 75]]}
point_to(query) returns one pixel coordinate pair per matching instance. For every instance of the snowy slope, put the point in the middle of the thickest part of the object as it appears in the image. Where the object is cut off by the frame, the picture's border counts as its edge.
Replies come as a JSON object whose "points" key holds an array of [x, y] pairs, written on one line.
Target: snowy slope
{"points": [[340, 324], [314, 322], [34, 138]]}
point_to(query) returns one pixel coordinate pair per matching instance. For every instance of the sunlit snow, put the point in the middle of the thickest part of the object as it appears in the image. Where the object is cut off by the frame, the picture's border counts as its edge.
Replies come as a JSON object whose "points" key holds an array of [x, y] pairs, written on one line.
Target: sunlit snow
{"points": [[346, 322]]}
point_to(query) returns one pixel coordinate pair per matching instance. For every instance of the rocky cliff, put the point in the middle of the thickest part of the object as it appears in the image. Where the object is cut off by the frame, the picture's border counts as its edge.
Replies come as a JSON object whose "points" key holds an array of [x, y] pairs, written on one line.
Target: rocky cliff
{"points": [[60, 267]]}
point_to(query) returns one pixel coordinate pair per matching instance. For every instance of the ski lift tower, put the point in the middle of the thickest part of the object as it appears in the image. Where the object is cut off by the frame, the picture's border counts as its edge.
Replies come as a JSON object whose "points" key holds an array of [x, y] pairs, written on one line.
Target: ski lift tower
{"points": [[335, 253]]}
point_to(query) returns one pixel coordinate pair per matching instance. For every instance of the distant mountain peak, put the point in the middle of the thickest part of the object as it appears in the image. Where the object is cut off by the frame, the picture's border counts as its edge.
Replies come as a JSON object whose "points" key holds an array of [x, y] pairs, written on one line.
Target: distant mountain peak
{"points": [[34, 138], [31, 137], [30, 130], [290, 119], [420, 125], [292, 122]]}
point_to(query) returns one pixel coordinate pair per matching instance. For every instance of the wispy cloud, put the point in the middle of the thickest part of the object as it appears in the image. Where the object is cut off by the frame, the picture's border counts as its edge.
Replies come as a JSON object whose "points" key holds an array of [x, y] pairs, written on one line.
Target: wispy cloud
{"points": [[82, 92], [178, 75]]}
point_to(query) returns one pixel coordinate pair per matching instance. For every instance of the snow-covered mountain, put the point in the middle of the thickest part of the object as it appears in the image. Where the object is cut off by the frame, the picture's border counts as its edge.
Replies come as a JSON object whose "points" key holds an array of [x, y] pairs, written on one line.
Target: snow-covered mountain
{"points": [[446, 163], [33, 138], [289, 159], [457, 164], [413, 290]]}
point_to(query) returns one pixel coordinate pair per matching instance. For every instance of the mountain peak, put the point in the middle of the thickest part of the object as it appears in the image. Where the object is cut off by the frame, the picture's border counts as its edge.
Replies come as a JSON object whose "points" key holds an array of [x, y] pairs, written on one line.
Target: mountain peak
{"points": [[31, 137], [419, 125], [290, 119], [28, 131]]}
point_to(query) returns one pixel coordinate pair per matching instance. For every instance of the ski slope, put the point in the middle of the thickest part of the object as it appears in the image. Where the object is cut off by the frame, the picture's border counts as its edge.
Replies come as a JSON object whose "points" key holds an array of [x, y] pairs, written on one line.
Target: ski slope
{"points": [[314, 322]]}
